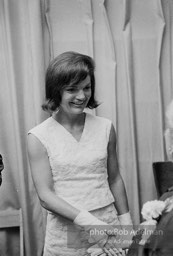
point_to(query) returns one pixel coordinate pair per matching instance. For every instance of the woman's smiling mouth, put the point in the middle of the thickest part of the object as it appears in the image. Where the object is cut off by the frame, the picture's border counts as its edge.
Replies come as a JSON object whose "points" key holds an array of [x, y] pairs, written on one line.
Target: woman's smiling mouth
{"points": [[79, 104]]}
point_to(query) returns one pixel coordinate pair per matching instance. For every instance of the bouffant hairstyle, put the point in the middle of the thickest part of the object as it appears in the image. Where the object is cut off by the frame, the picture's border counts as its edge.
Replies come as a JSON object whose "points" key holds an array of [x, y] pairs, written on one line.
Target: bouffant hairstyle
{"points": [[68, 68]]}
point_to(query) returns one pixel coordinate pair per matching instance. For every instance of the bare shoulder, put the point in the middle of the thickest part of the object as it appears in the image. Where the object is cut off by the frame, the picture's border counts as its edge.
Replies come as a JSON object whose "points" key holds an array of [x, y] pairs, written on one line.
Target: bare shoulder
{"points": [[35, 147]]}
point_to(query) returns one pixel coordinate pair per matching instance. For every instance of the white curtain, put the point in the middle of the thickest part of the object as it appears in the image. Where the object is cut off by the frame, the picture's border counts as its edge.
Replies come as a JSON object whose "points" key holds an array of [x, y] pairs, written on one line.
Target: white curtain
{"points": [[131, 42], [22, 89]]}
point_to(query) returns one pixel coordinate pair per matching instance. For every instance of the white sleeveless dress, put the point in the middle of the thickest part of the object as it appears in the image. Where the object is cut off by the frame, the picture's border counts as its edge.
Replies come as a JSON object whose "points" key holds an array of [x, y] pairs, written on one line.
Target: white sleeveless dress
{"points": [[79, 170]]}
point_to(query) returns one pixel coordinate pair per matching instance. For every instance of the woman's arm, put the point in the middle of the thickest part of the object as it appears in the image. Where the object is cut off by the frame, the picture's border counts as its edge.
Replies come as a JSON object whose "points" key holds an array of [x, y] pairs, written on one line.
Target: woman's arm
{"points": [[114, 178], [118, 190], [42, 178]]}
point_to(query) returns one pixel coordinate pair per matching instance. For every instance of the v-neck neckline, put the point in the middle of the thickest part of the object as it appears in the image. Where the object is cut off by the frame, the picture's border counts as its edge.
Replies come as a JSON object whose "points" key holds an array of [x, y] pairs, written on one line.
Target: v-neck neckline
{"points": [[69, 133]]}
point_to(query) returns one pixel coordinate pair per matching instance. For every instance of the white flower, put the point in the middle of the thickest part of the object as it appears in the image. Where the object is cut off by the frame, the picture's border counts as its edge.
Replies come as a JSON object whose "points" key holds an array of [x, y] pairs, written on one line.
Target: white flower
{"points": [[152, 209]]}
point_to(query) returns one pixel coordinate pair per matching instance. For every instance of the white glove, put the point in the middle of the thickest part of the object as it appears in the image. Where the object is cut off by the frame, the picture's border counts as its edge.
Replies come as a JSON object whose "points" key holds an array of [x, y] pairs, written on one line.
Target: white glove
{"points": [[95, 250], [125, 219], [126, 225], [96, 228]]}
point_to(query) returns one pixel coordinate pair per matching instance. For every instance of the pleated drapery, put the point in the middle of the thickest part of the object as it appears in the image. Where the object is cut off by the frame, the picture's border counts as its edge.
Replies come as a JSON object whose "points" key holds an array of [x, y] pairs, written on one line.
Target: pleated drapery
{"points": [[22, 87], [131, 42]]}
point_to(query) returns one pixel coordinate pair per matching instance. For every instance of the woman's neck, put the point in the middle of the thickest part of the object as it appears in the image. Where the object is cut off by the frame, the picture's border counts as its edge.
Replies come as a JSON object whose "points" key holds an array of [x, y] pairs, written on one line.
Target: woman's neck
{"points": [[69, 119]]}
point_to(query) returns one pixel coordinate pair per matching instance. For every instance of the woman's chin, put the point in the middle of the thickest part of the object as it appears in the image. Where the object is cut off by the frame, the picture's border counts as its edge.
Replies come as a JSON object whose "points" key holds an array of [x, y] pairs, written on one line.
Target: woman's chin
{"points": [[77, 109]]}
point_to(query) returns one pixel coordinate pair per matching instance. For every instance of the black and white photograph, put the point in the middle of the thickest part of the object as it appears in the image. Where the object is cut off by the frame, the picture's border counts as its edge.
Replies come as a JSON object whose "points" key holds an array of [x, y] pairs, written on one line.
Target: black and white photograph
{"points": [[86, 128]]}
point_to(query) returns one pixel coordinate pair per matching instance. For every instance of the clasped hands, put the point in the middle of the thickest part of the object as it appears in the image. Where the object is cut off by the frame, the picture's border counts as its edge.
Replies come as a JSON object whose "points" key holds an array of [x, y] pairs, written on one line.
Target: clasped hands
{"points": [[105, 239], [109, 241], [119, 243], [115, 241]]}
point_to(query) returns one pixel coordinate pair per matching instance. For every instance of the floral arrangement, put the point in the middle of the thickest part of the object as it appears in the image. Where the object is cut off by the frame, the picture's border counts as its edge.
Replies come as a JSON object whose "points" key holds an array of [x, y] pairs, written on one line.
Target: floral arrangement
{"points": [[151, 213], [152, 210]]}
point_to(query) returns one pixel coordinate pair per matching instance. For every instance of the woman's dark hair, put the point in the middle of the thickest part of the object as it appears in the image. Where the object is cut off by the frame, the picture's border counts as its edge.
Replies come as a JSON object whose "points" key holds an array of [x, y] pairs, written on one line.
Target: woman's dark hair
{"points": [[67, 69]]}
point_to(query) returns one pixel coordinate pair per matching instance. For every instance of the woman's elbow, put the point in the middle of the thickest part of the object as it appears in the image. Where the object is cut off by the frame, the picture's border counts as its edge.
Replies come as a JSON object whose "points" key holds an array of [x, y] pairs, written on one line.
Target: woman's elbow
{"points": [[115, 180], [43, 203], [45, 199]]}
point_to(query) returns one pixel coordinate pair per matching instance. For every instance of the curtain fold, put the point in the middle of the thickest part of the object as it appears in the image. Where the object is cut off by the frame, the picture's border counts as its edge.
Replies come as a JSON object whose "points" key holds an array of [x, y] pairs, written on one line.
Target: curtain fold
{"points": [[86, 10], [131, 121], [166, 67], [160, 31], [105, 62], [48, 41]]}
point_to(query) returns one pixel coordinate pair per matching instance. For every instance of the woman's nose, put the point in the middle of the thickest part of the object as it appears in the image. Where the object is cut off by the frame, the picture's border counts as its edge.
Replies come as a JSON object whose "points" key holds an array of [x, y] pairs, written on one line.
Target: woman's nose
{"points": [[80, 95]]}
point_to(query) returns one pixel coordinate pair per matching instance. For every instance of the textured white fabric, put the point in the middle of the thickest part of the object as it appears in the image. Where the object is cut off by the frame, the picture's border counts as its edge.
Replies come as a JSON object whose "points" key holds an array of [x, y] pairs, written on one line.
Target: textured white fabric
{"points": [[90, 223], [65, 239], [79, 168]]}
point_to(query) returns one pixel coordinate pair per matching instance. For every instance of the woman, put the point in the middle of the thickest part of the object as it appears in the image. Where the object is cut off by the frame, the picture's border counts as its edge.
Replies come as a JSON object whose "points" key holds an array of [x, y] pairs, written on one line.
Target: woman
{"points": [[73, 162]]}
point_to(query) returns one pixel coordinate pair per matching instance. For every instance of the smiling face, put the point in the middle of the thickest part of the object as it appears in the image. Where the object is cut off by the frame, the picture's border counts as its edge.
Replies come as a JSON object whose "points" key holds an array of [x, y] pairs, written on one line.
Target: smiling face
{"points": [[75, 97], [69, 69]]}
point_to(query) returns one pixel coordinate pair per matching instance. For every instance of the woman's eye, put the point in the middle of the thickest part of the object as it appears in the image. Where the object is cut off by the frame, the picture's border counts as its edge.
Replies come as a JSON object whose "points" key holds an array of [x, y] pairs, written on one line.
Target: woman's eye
{"points": [[71, 89], [87, 88]]}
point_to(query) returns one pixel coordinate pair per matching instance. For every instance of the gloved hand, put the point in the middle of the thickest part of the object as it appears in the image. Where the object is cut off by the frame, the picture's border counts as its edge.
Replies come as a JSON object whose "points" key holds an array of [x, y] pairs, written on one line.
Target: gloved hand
{"points": [[115, 252], [98, 230], [127, 228], [122, 237], [125, 219], [97, 251]]}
